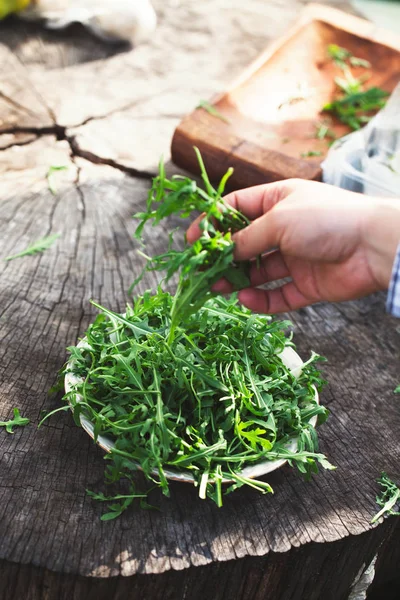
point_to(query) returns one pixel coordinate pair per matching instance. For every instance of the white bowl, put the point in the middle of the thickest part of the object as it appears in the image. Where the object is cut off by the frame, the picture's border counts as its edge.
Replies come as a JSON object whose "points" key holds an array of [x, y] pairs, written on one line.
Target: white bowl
{"points": [[290, 359]]}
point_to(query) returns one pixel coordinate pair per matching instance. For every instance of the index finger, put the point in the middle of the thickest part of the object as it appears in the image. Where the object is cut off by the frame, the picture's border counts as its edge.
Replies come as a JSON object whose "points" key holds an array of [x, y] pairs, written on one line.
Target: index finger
{"points": [[252, 202]]}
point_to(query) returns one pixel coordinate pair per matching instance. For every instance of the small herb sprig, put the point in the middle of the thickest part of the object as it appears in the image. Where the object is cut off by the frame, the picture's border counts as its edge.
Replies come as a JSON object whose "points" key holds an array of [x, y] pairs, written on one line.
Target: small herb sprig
{"points": [[119, 503], [341, 57], [310, 153], [388, 497], [355, 105], [16, 421], [212, 110], [323, 132], [37, 247], [50, 177], [356, 108]]}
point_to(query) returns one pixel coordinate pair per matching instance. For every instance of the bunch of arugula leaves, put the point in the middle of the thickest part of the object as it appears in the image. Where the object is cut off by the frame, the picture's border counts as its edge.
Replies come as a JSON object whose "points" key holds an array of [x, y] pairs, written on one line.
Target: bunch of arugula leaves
{"points": [[192, 382], [204, 262], [355, 106]]}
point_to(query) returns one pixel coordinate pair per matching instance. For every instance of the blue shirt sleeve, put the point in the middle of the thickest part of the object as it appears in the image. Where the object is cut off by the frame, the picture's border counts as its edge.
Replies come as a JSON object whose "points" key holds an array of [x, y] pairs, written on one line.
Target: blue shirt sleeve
{"points": [[393, 298]]}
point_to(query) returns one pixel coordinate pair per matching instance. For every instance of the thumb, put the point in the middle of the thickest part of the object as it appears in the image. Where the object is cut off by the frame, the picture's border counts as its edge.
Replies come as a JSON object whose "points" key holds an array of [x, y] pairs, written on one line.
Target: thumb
{"points": [[262, 235], [255, 201], [257, 204], [252, 202]]}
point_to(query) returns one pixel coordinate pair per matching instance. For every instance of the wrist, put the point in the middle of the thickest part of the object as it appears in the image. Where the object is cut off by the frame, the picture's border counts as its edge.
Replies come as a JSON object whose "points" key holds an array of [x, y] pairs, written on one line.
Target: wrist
{"points": [[381, 237]]}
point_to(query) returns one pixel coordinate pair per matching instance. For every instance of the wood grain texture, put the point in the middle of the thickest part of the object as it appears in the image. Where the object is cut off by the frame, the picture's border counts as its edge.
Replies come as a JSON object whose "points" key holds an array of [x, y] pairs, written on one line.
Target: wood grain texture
{"points": [[275, 577], [21, 105], [386, 583], [271, 114], [53, 544]]}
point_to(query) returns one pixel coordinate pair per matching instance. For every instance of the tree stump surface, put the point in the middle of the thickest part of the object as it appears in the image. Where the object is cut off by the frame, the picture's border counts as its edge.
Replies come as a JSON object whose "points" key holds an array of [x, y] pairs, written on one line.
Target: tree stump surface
{"points": [[107, 114]]}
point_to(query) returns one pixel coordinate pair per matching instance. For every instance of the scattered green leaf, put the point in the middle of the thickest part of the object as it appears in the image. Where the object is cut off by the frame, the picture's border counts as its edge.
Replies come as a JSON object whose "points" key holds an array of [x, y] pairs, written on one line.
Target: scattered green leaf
{"points": [[310, 153], [359, 62], [349, 84], [212, 111], [341, 57], [338, 54], [397, 390], [17, 421], [323, 132], [388, 497], [37, 247], [356, 109], [355, 105], [120, 502], [50, 177]]}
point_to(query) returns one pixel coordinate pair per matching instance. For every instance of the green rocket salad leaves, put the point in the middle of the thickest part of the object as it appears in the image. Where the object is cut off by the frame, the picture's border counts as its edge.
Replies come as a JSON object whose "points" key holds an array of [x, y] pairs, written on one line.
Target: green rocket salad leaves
{"points": [[203, 263], [192, 382], [355, 105]]}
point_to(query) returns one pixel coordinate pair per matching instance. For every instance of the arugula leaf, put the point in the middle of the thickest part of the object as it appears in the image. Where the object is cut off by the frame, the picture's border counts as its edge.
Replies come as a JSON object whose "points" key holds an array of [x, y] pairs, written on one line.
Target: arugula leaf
{"points": [[355, 106], [16, 421], [338, 54], [37, 247], [212, 111], [397, 390], [323, 132], [359, 62], [353, 109], [310, 153], [388, 497], [254, 435], [117, 508], [50, 177], [342, 56]]}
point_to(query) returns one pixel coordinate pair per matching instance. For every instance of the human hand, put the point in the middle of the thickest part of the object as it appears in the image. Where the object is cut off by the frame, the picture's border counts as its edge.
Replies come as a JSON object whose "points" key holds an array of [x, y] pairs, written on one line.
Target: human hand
{"points": [[333, 244]]}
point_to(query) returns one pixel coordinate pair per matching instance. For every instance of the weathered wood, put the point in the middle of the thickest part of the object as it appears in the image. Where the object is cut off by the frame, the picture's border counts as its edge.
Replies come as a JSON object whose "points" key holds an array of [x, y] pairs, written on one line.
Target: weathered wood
{"points": [[134, 100], [275, 577], [52, 541], [45, 302], [271, 114], [386, 583], [21, 106]]}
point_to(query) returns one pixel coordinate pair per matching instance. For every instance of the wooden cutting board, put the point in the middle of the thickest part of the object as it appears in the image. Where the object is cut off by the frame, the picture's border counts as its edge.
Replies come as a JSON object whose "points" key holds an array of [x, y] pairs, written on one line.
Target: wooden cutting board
{"points": [[271, 113]]}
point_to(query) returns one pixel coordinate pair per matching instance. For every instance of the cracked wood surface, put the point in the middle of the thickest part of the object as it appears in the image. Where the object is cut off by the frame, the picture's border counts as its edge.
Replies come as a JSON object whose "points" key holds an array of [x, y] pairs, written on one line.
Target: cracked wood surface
{"points": [[48, 526], [132, 102]]}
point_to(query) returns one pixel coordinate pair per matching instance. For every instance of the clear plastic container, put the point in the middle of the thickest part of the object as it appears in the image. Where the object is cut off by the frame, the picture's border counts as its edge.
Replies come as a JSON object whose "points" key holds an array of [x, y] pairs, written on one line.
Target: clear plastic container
{"points": [[368, 160]]}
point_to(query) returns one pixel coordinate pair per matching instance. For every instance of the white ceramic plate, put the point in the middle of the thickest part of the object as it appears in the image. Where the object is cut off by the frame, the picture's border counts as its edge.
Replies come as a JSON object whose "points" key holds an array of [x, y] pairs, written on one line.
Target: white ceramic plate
{"points": [[290, 359]]}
